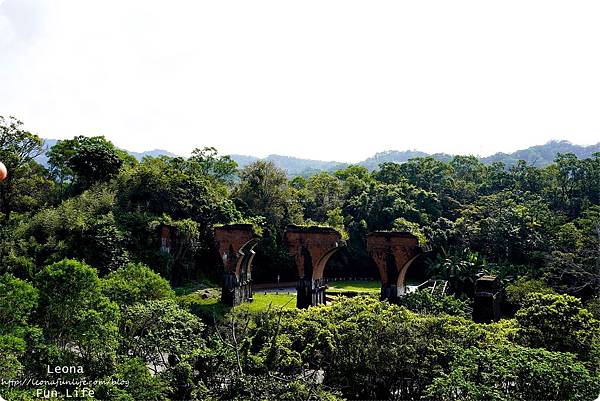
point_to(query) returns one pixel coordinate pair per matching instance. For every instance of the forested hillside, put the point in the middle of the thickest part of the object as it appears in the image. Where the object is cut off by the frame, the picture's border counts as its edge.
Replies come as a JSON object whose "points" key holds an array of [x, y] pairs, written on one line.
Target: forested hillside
{"points": [[538, 156], [84, 280]]}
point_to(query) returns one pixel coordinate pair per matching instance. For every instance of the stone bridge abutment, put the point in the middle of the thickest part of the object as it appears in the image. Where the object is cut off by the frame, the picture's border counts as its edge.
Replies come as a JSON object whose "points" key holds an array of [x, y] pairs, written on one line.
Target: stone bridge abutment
{"points": [[235, 243], [311, 248], [393, 252]]}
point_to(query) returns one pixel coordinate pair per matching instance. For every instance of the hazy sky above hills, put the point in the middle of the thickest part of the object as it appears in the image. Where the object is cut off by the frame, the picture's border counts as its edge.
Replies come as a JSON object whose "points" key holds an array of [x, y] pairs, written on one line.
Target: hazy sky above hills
{"points": [[331, 80]]}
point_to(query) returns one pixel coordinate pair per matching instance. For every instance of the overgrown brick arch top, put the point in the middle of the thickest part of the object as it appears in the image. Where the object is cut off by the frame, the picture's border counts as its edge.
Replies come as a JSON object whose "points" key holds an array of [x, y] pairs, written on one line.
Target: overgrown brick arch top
{"points": [[312, 247], [235, 243], [394, 253]]}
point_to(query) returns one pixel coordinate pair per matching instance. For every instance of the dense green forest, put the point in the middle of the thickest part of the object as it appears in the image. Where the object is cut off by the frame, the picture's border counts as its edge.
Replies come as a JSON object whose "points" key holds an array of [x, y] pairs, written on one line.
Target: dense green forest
{"points": [[83, 280]]}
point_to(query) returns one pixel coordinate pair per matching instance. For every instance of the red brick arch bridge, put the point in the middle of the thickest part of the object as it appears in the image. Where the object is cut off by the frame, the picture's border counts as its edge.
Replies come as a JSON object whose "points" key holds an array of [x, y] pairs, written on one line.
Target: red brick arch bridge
{"points": [[311, 248]]}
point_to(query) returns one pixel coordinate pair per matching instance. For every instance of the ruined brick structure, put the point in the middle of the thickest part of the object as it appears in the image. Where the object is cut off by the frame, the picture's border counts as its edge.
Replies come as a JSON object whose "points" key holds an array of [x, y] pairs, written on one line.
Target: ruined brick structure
{"points": [[486, 304], [167, 236], [235, 244], [393, 253], [311, 248]]}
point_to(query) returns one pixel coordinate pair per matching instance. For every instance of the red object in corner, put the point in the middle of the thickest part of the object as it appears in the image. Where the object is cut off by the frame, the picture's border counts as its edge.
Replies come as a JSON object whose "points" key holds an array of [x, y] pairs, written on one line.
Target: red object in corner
{"points": [[3, 172]]}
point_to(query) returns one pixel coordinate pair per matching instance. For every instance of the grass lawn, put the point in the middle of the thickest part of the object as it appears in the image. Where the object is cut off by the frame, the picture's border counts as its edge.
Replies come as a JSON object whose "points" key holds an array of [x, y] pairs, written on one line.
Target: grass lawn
{"points": [[371, 286], [205, 302], [275, 301]]}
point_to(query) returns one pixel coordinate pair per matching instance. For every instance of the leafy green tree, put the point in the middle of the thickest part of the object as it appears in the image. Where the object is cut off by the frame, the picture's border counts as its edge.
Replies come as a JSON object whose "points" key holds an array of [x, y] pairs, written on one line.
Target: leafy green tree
{"points": [[401, 224], [251, 355], [497, 179], [103, 243], [374, 350], [460, 267], [33, 189], [527, 178], [134, 283], [87, 160], [593, 306], [176, 187], [467, 168], [254, 387], [574, 265], [142, 385], [512, 372], [76, 318], [568, 189], [211, 164], [505, 227], [558, 323], [569, 238], [390, 173], [468, 176], [356, 180], [424, 302], [18, 148], [428, 173], [176, 192], [383, 204], [335, 219], [82, 227], [325, 193], [591, 172], [18, 299], [518, 291], [265, 191], [160, 332]]}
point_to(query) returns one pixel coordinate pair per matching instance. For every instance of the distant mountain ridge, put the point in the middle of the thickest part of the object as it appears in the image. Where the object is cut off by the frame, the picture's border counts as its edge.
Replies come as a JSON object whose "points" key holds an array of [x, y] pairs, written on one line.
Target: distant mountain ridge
{"points": [[543, 155], [539, 156], [396, 156], [150, 153], [293, 166]]}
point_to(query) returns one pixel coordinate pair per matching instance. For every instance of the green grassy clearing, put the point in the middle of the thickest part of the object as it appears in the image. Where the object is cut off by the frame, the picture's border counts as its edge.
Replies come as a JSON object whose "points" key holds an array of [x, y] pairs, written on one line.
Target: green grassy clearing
{"points": [[205, 302], [371, 286], [275, 301]]}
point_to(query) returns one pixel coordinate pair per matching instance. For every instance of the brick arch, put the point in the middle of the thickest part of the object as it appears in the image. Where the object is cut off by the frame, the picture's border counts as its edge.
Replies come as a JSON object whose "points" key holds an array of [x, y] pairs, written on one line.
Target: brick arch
{"points": [[244, 264], [311, 248], [393, 252], [236, 244], [320, 266], [400, 284]]}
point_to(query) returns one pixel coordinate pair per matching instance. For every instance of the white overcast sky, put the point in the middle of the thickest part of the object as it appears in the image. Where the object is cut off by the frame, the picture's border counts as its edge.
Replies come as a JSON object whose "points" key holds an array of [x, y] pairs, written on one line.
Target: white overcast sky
{"points": [[333, 80]]}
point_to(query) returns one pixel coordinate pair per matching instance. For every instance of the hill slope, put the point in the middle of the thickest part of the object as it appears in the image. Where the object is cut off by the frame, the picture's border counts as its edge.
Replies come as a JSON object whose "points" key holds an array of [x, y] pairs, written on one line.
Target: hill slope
{"points": [[539, 155], [543, 155]]}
